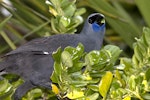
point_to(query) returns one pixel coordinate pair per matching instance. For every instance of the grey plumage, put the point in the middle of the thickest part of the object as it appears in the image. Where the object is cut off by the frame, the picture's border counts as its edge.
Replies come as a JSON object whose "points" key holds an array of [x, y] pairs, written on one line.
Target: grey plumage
{"points": [[35, 67]]}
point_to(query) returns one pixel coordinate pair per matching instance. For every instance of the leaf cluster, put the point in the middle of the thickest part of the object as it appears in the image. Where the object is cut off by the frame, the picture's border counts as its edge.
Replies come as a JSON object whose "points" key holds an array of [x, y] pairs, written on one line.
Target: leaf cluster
{"points": [[132, 74], [80, 75], [94, 75], [66, 15]]}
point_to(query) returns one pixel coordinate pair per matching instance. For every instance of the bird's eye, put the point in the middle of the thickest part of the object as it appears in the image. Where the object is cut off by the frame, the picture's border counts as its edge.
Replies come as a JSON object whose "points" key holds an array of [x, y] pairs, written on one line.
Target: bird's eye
{"points": [[91, 20]]}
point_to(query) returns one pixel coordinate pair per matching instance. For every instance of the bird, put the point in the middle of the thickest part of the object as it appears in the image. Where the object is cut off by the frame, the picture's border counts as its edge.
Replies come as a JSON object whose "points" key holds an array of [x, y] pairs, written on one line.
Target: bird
{"points": [[33, 61]]}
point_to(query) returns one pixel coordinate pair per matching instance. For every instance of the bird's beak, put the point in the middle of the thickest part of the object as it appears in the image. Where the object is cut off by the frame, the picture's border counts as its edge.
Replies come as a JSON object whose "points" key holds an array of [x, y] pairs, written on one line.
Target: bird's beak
{"points": [[103, 21]]}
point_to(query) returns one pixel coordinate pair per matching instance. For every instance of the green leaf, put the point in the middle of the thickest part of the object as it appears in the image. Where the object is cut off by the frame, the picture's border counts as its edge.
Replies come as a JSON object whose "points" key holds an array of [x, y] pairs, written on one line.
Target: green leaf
{"points": [[93, 87], [141, 50], [76, 53], [94, 96], [138, 53], [135, 61], [92, 58], [105, 84], [127, 65], [4, 86], [79, 83], [80, 11], [77, 66], [8, 40], [4, 35], [33, 94], [6, 89], [69, 11], [147, 74], [54, 77], [119, 78], [57, 65], [5, 21], [66, 59], [114, 51], [65, 20], [144, 7], [132, 83], [146, 96], [142, 47], [56, 73], [146, 32], [96, 60], [57, 54]]}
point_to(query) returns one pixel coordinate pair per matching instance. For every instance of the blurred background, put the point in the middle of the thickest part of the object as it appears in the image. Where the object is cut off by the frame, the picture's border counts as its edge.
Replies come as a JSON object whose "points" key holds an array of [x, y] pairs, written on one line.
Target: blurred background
{"points": [[24, 20]]}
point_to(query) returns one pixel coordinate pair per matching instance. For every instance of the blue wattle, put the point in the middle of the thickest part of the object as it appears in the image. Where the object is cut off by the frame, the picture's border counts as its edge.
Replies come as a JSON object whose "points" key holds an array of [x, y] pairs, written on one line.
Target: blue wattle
{"points": [[96, 27]]}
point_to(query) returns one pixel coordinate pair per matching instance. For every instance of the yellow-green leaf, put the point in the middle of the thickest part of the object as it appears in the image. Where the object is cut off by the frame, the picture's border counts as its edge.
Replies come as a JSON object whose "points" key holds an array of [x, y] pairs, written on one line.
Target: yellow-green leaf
{"points": [[105, 84], [127, 98], [55, 89], [75, 94]]}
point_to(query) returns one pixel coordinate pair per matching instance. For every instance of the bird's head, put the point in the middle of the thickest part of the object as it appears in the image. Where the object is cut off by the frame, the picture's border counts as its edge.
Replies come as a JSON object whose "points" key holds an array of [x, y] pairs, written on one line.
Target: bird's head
{"points": [[94, 25], [97, 22]]}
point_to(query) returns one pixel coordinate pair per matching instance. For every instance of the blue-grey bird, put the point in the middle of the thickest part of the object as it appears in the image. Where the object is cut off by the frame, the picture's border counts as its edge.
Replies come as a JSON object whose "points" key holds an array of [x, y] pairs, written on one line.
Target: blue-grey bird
{"points": [[33, 61]]}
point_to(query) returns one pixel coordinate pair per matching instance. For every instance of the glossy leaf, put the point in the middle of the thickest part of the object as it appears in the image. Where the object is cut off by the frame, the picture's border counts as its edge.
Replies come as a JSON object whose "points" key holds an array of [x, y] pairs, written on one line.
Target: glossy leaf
{"points": [[65, 13], [126, 65], [77, 66], [56, 55], [141, 49], [54, 77], [55, 89], [76, 53], [4, 86], [132, 83], [114, 51], [127, 98], [94, 96], [96, 60], [94, 87], [66, 59], [105, 84], [74, 94]]}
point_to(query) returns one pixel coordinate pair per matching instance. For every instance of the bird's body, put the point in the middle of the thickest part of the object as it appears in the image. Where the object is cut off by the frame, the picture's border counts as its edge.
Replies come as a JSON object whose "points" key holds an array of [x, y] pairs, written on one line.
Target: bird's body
{"points": [[33, 61]]}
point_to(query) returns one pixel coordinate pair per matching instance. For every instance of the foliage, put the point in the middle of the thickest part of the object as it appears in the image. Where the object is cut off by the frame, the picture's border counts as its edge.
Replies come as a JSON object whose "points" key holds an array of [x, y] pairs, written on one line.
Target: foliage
{"points": [[94, 75], [132, 75], [37, 18], [67, 16], [79, 75], [41, 18], [122, 16]]}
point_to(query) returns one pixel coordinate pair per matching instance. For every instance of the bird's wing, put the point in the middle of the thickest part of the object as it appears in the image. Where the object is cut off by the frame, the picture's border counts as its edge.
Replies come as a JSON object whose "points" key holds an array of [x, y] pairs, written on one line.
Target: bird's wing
{"points": [[47, 44]]}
